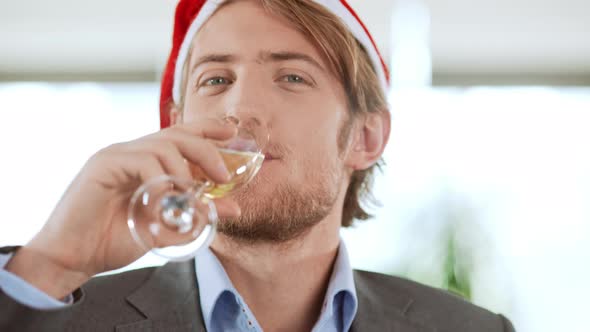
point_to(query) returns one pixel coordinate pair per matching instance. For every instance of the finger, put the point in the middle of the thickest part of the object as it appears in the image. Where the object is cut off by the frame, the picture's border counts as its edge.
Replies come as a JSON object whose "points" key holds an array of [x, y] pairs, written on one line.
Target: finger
{"points": [[151, 174], [201, 153], [139, 165], [227, 208], [150, 168], [169, 156]]}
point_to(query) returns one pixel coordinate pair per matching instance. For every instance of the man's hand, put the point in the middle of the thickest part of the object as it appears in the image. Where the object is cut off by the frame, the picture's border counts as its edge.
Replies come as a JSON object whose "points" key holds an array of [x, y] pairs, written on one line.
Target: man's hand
{"points": [[87, 232]]}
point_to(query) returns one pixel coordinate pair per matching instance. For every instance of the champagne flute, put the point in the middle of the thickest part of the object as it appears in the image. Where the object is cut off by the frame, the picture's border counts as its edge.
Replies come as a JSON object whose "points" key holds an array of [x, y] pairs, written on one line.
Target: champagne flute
{"points": [[173, 217]]}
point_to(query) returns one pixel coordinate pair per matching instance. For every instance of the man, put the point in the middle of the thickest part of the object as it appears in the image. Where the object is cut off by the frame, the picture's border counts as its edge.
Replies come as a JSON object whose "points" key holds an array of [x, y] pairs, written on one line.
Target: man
{"points": [[278, 263]]}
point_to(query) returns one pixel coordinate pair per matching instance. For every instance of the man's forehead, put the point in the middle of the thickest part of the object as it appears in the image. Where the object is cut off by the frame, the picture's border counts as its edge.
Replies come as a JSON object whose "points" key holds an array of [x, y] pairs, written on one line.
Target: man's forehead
{"points": [[244, 29], [244, 14]]}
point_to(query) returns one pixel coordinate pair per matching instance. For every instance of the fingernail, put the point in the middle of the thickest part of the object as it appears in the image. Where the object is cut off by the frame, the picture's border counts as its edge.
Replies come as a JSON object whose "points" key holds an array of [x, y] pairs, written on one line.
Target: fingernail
{"points": [[223, 169]]}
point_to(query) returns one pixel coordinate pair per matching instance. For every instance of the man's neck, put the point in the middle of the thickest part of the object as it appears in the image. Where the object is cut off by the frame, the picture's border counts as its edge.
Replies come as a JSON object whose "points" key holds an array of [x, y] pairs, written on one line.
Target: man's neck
{"points": [[283, 284]]}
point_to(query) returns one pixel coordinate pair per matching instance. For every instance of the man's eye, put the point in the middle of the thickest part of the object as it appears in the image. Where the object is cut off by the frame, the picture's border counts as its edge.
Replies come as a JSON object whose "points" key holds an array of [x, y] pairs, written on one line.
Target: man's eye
{"points": [[294, 79], [216, 81]]}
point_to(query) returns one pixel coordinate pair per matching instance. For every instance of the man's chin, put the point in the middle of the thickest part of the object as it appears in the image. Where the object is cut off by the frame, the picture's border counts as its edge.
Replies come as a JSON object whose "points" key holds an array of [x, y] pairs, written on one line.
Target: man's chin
{"points": [[276, 216]]}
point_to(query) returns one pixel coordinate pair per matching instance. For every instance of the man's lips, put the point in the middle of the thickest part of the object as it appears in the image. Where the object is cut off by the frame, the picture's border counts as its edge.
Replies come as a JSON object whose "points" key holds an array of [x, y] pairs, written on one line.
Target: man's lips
{"points": [[270, 156]]}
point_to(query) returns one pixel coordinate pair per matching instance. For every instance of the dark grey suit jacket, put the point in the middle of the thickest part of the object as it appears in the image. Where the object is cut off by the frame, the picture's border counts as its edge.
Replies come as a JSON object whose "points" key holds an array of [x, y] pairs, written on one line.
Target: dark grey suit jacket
{"points": [[167, 299]]}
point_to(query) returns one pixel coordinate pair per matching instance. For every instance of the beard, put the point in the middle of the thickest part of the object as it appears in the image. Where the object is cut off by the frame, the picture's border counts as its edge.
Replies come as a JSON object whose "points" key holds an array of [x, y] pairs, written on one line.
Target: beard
{"points": [[289, 210], [285, 212]]}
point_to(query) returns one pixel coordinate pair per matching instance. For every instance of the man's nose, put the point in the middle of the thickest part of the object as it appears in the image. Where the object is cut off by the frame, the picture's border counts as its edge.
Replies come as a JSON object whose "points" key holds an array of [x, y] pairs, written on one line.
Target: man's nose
{"points": [[246, 103], [242, 115]]}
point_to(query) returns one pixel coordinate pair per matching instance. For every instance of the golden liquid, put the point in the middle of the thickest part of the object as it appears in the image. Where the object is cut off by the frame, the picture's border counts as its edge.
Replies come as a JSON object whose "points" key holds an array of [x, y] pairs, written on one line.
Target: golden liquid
{"points": [[241, 165]]}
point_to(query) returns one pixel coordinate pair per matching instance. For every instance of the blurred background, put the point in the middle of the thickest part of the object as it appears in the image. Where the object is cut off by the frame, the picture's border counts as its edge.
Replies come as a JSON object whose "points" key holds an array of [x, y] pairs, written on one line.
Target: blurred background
{"points": [[486, 191]]}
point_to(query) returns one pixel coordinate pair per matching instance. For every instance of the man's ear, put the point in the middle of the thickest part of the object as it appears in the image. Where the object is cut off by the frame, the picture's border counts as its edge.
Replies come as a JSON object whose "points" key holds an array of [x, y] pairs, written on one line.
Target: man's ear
{"points": [[175, 115], [370, 138]]}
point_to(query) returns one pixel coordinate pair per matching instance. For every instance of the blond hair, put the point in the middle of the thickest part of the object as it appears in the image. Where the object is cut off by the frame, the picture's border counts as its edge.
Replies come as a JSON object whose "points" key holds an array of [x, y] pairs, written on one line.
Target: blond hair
{"points": [[350, 63]]}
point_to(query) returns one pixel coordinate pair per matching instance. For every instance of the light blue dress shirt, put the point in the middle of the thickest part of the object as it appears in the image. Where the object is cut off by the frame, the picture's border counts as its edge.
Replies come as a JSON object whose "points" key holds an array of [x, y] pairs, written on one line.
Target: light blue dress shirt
{"points": [[222, 306], [224, 310], [24, 293]]}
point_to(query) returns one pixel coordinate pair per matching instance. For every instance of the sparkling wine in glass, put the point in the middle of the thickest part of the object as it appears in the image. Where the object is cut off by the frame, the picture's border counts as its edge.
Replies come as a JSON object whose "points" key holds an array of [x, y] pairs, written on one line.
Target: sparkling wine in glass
{"points": [[174, 218]]}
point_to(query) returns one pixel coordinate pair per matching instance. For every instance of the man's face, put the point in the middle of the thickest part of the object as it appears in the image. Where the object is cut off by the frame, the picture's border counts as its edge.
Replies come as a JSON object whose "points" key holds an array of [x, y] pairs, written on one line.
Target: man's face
{"points": [[247, 63]]}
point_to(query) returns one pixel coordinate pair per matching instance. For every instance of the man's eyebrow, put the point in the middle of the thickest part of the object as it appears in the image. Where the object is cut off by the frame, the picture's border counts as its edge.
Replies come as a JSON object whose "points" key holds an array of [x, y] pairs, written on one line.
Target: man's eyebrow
{"points": [[217, 58], [263, 56], [289, 55]]}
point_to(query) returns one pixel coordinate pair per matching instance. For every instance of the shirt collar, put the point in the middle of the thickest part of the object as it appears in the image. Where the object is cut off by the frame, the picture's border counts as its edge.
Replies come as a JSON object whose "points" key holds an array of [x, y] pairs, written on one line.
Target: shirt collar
{"points": [[210, 272], [341, 296], [340, 299]]}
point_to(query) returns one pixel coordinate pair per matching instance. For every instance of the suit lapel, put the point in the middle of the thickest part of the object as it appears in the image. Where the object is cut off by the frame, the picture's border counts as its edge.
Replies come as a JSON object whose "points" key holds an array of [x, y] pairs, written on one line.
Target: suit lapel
{"points": [[382, 306], [169, 299]]}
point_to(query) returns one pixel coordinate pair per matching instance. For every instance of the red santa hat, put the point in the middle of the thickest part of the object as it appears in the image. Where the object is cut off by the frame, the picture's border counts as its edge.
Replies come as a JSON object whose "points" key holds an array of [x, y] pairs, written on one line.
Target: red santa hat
{"points": [[190, 16]]}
